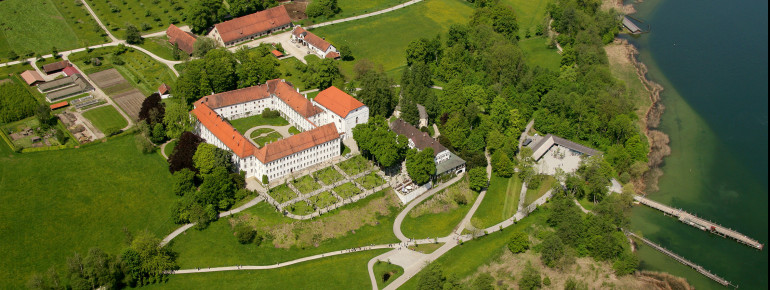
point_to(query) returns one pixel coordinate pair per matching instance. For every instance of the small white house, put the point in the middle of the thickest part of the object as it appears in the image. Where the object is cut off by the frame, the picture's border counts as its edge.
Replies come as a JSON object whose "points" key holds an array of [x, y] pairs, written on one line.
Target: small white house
{"points": [[315, 44]]}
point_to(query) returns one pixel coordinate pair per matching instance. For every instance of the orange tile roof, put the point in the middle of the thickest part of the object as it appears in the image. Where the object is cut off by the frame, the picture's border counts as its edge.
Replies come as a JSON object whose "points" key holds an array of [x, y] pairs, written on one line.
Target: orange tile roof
{"points": [[163, 89], [59, 105], [253, 23], [297, 143], [276, 53], [223, 130], [332, 55], [297, 102], [311, 38], [31, 77], [236, 97], [337, 101], [184, 40]]}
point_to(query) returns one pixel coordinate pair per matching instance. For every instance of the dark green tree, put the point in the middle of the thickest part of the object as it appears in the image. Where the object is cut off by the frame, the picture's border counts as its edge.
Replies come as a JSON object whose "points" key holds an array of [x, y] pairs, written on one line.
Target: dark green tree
{"points": [[501, 164], [478, 178], [203, 14], [420, 165], [376, 90], [184, 182], [132, 35], [346, 53], [552, 250], [519, 242]]}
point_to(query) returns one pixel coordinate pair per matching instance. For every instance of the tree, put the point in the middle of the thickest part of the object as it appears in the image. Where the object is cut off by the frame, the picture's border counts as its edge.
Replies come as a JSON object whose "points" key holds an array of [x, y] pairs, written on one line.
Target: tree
{"points": [[376, 89], [202, 14], [242, 7], [220, 70], [208, 157], [176, 118], [255, 69], [478, 178], [182, 155], [552, 250], [626, 264], [264, 179], [419, 51], [501, 164], [153, 111], [375, 139], [154, 259], [203, 45], [431, 278], [319, 8], [519, 242], [43, 115], [217, 189], [530, 278], [420, 165], [324, 73], [132, 35], [184, 182], [345, 53], [409, 112]]}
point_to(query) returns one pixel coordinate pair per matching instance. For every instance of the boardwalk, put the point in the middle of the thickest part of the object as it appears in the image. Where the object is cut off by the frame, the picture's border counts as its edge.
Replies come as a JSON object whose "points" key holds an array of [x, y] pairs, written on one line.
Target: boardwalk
{"points": [[682, 260], [700, 223]]}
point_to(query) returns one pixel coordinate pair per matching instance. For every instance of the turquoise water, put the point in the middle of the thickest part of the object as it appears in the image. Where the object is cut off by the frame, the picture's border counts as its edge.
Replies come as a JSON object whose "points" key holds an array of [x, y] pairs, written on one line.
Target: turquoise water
{"points": [[712, 58]]}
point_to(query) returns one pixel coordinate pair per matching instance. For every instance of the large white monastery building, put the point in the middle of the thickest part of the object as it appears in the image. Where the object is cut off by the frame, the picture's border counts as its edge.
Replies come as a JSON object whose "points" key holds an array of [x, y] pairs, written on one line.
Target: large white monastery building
{"points": [[320, 120]]}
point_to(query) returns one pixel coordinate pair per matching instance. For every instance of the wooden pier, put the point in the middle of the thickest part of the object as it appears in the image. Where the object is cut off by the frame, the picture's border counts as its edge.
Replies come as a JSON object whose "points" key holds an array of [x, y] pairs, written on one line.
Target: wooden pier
{"points": [[682, 260], [631, 26], [700, 223]]}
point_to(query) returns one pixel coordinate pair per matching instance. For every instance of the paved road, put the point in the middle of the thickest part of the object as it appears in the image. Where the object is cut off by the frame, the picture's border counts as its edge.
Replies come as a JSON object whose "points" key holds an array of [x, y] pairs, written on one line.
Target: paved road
{"points": [[163, 148], [524, 135], [364, 15]]}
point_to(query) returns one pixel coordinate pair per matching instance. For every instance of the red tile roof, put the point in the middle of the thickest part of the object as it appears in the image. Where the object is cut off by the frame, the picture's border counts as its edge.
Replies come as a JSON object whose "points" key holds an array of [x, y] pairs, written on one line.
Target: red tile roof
{"points": [[59, 105], [236, 97], [276, 53], [297, 102], [297, 143], [253, 23], [223, 130], [332, 55], [163, 89], [337, 101], [31, 77], [311, 38], [56, 66], [70, 70], [184, 40]]}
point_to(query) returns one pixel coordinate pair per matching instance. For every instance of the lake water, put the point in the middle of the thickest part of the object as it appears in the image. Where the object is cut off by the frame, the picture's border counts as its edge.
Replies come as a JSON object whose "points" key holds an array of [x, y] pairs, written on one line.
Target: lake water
{"points": [[712, 58]]}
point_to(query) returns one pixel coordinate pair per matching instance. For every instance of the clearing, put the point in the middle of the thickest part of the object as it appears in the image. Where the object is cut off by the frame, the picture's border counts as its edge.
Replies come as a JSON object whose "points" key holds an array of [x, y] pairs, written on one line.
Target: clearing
{"points": [[500, 202], [106, 118]]}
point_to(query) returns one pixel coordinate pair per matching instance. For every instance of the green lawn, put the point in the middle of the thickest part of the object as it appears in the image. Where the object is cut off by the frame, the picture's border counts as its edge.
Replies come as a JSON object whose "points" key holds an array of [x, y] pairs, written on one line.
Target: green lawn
{"points": [[260, 131], [161, 47], [323, 199], [289, 70], [105, 118], [465, 259], [156, 15], [537, 53], [370, 180], [500, 202], [170, 148], [385, 273], [282, 193], [432, 225], [294, 131], [347, 190], [529, 13], [426, 248], [349, 8], [38, 26], [354, 165], [244, 124], [587, 204], [300, 208], [216, 246], [535, 193], [328, 175], [269, 138], [59, 202], [383, 39], [306, 184]]}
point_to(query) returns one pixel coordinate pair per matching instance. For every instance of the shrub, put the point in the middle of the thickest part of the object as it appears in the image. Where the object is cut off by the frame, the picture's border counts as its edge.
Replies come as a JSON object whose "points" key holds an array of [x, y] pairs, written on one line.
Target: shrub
{"points": [[144, 145], [269, 114], [244, 232], [519, 243]]}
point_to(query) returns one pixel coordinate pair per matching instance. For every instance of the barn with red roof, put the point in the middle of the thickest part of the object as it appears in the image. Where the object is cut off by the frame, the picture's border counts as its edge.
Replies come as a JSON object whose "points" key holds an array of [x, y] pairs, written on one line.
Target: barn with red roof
{"points": [[251, 26]]}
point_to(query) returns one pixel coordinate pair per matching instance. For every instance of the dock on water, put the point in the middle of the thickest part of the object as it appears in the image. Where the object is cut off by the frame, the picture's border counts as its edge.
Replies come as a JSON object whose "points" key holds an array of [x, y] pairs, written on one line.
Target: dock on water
{"points": [[631, 26], [700, 223], [682, 260]]}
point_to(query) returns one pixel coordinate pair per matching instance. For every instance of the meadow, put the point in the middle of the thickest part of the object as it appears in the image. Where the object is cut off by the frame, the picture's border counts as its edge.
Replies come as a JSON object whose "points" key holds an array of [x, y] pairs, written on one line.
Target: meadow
{"points": [[500, 203], [529, 13], [349, 8], [106, 118], [438, 215], [146, 15], [60, 202]]}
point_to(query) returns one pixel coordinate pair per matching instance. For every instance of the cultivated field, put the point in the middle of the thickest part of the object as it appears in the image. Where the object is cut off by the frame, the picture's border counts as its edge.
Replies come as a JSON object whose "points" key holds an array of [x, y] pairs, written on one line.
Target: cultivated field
{"points": [[107, 78], [120, 90], [59, 202], [130, 102]]}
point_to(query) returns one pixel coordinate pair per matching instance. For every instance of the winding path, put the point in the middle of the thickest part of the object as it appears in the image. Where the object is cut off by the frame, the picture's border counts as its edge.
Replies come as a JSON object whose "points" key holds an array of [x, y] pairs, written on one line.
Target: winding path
{"points": [[183, 228], [386, 10]]}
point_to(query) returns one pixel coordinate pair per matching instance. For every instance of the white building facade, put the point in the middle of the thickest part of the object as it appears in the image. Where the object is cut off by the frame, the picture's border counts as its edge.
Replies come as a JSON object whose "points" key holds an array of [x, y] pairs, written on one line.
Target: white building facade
{"points": [[342, 109]]}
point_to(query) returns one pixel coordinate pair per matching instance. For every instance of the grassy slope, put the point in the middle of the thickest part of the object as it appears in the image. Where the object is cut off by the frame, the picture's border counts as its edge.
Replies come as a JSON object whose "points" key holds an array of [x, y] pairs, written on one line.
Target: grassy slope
{"points": [[500, 202], [435, 225], [105, 118], [59, 202], [533, 194], [216, 246], [346, 271], [384, 38]]}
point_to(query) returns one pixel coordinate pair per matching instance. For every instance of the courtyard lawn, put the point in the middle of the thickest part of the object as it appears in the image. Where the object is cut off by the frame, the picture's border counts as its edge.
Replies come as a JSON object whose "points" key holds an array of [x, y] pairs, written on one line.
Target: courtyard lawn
{"points": [[323, 199], [328, 175], [269, 138], [56, 203], [435, 225], [500, 202], [385, 273], [147, 15], [256, 133], [537, 53], [346, 271], [383, 39], [162, 48], [106, 118], [282, 193], [464, 260], [535, 193], [306, 184], [354, 165], [293, 130], [244, 124], [347, 190], [216, 246], [56, 23], [300, 208], [370, 180]]}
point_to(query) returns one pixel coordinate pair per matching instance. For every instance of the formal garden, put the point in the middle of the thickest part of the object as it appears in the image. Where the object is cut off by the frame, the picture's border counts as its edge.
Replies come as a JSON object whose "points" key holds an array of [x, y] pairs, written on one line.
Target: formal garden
{"points": [[282, 193], [347, 190], [305, 184], [322, 200], [354, 165], [328, 175], [370, 180]]}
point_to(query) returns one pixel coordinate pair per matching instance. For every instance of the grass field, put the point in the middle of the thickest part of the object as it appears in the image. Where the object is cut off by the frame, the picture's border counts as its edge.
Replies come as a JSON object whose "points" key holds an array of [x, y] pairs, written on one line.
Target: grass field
{"points": [[529, 13], [346, 271], [322, 200], [370, 180], [350, 8], [244, 124], [385, 273], [306, 184], [426, 248], [354, 165], [301, 208], [154, 15], [105, 118], [282, 193], [465, 259], [328, 175], [432, 225], [537, 53], [56, 23], [500, 202], [383, 39], [162, 48], [535, 193], [59, 202], [347, 190]]}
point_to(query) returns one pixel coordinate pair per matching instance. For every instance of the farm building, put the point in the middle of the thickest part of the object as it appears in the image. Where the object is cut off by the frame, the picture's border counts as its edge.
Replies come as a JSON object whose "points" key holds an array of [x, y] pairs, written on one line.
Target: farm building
{"points": [[317, 45], [277, 53], [184, 40], [59, 105], [319, 142], [55, 67], [342, 109], [69, 71], [251, 26], [31, 77], [164, 91], [64, 87]]}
